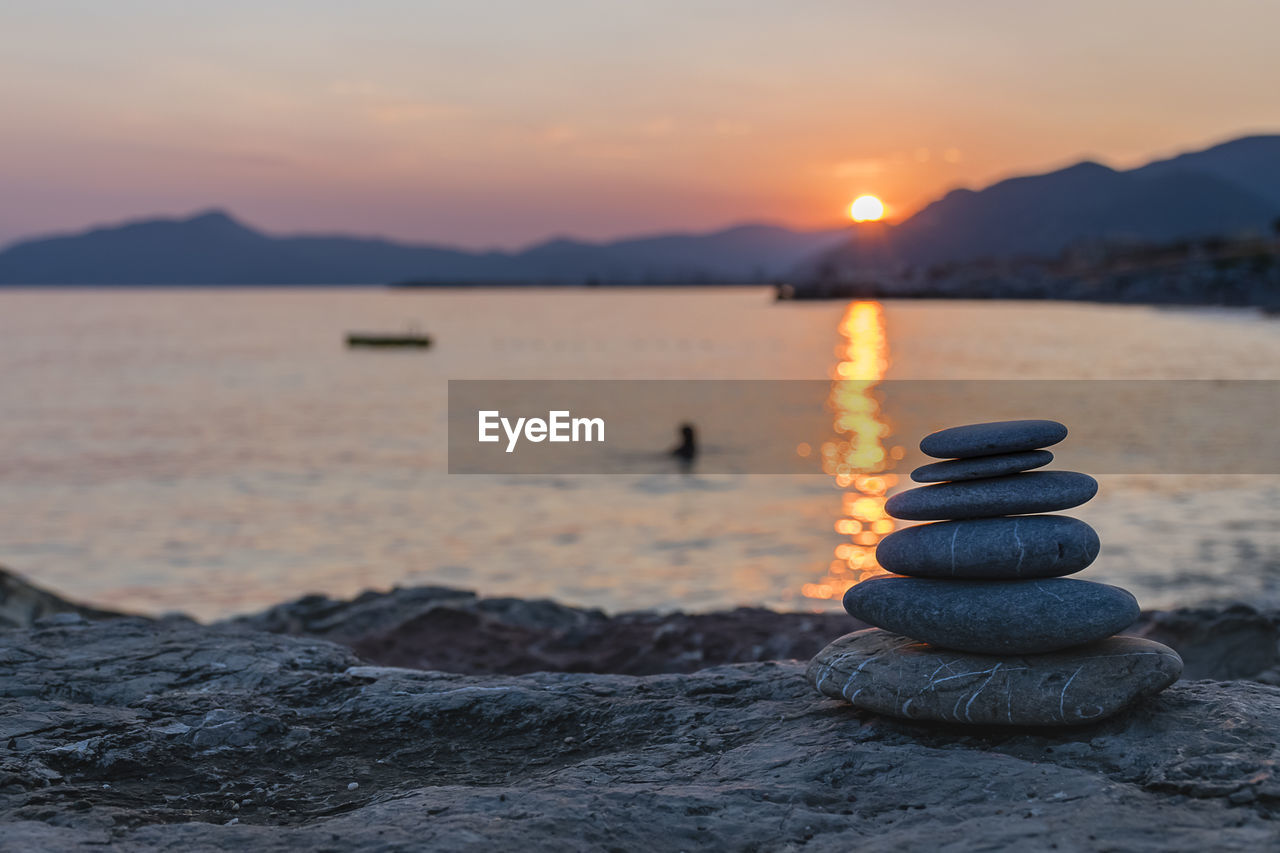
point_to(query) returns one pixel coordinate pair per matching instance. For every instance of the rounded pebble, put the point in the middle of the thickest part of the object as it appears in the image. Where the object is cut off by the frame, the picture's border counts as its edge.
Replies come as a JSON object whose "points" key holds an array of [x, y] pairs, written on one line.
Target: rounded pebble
{"points": [[994, 617], [978, 467], [1017, 494], [991, 438], [1017, 547]]}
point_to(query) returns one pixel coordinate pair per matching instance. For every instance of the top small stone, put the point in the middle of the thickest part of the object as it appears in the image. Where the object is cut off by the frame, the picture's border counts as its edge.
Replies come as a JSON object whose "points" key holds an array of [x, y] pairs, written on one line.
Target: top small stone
{"points": [[963, 442]]}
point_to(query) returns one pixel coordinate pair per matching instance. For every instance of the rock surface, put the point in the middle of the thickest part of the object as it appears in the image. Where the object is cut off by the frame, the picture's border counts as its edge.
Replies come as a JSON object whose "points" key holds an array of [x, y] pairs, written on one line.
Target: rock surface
{"points": [[454, 630], [457, 631], [460, 632], [22, 603], [1028, 546], [890, 674], [994, 617], [172, 736], [991, 438], [979, 467], [1017, 494], [1220, 643]]}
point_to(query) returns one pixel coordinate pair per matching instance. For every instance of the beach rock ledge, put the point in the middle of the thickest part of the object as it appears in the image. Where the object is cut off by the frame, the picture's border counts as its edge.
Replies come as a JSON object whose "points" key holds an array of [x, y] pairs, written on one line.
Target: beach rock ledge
{"points": [[168, 735]]}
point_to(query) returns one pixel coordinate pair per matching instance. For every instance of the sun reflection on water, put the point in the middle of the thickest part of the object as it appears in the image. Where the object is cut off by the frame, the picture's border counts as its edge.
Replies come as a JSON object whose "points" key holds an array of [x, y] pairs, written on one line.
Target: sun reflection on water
{"points": [[858, 457]]}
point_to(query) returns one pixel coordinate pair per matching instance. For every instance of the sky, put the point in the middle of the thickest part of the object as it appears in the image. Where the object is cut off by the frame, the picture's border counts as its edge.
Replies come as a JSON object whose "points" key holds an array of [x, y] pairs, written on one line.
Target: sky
{"points": [[499, 123]]}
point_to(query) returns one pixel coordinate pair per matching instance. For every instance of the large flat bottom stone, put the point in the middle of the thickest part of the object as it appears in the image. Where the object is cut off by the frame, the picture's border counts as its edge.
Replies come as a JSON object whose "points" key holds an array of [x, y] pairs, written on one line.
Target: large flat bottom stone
{"points": [[890, 674]]}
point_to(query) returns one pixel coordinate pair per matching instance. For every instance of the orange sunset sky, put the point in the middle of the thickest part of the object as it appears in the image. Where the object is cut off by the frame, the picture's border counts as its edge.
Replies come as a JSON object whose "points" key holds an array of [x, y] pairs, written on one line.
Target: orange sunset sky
{"points": [[501, 123]]}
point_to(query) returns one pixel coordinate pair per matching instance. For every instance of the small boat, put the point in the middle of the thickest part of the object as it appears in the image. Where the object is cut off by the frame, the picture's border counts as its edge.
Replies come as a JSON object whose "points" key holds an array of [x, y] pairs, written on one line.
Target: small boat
{"points": [[411, 340]]}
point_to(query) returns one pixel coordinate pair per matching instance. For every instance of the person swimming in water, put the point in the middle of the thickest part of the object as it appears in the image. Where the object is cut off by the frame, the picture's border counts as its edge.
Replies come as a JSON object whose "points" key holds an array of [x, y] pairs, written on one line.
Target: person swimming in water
{"points": [[687, 449]]}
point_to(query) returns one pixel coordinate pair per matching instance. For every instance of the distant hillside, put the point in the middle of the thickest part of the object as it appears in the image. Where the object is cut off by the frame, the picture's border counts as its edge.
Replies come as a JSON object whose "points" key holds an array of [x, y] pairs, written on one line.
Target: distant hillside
{"points": [[1223, 190], [214, 248], [742, 253], [1251, 162]]}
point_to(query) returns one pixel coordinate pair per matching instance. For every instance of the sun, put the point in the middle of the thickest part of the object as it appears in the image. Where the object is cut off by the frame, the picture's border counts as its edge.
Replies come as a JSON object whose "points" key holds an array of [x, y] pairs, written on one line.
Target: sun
{"points": [[866, 208]]}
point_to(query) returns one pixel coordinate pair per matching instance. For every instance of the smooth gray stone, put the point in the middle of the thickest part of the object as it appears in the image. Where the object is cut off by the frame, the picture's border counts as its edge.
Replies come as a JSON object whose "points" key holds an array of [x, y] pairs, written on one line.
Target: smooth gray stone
{"points": [[978, 467], [994, 617], [1017, 494], [989, 439], [890, 674], [1023, 546]]}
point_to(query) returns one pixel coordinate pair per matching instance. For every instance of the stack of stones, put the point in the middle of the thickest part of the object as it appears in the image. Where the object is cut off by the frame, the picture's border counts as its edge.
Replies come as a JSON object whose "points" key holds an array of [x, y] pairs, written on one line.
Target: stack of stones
{"points": [[985, 629]]}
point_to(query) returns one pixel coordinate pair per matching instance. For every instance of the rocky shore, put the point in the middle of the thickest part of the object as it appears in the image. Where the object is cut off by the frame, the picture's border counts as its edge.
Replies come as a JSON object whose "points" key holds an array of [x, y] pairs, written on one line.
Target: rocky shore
{"points": [[295, 728]]}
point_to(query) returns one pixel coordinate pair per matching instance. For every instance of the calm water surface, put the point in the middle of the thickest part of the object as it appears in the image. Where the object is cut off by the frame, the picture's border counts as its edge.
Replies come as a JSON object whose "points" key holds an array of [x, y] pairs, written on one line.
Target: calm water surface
{"points": [[218, 451]]}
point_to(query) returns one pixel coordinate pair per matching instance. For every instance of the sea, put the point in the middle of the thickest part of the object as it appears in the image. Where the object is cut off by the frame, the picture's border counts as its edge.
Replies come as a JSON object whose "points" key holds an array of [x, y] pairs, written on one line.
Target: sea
{"points": [[215, 451]]}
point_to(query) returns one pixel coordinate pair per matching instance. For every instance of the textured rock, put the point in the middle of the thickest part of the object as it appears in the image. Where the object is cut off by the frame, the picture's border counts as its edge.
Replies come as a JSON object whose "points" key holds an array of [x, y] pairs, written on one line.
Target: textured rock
{"points": [[890, 674], [1025, 546], [994, 617], [179, 737], [23, 603], [1017, 494], [1222, 643], [344, 621], [978, 467], [434, 628], [991, 438], [453, 630]]}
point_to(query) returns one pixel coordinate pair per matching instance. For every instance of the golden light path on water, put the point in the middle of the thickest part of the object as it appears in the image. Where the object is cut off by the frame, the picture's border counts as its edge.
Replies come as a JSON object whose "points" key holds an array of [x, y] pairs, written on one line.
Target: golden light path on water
{"points": [[858, 457]]}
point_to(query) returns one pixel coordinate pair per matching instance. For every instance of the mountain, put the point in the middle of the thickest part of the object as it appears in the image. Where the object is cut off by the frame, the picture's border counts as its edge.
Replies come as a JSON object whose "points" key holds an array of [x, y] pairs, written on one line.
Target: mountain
{"points": [[1224, 190], [742, 253], [214, 248], [1252, 162]]}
